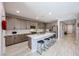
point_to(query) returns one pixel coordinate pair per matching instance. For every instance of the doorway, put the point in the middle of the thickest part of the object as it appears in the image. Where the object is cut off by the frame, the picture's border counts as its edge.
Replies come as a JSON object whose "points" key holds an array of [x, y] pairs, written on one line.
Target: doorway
{"points": [[69, 28]]}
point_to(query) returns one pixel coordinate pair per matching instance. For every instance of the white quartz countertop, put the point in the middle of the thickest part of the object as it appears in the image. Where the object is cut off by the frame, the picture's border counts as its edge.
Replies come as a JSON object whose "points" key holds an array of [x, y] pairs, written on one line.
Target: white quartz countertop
{"points": [[9, 32], [36, 36], [15, 34]]}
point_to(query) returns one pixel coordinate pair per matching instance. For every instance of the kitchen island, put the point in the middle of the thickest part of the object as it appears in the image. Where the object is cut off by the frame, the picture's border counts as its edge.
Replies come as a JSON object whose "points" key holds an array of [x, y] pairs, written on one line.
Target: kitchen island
{"points": [[32, 42]]}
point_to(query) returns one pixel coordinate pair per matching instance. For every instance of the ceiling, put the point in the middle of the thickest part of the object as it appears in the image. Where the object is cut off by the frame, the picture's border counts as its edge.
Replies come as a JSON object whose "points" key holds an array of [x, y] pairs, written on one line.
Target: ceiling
{"points": [[44, 11]]}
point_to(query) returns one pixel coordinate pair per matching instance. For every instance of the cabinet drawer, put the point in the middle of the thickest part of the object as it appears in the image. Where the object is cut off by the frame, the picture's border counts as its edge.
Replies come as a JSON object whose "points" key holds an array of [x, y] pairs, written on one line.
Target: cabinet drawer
{"points": [[23, 38], [17, 39], [9, 40]]}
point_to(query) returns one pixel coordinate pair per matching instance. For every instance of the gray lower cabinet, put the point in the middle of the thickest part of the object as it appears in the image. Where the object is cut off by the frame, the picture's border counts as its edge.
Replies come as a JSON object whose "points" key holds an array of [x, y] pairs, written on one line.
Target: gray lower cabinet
{"points": [[14, 39], [23, 38], [9, 40], [17, 39], [29, 43]]}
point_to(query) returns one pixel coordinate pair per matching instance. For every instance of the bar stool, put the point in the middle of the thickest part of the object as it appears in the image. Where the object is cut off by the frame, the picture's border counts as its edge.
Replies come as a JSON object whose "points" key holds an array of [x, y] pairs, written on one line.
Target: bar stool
{"points": [[47, 42], [52, 39], [40, 46], [54, 35]]}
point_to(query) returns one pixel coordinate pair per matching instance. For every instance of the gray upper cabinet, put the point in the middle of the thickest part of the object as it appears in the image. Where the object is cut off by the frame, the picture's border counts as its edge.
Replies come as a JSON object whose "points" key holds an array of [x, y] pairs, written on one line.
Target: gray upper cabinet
{"points": [[41, 25], [16, 24], [48, 26], [33, 24], [23, 24], [28, 24], [19, 24], [10, 24]]}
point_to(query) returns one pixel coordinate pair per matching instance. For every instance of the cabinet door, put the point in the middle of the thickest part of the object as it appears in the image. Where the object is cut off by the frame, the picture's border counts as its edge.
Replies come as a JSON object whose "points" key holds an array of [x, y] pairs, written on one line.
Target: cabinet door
{"points": [[23, 24], [17, 39], [41, 25], [10, 24], [9, 40], [48, 26], [29, 42], [23, 37], [17, 24]]}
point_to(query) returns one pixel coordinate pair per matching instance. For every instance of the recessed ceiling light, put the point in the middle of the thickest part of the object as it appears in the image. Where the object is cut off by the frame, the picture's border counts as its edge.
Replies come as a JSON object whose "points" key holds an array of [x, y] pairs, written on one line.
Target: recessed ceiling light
{"points": [[37, 17], [50, 13], [17, 11]]}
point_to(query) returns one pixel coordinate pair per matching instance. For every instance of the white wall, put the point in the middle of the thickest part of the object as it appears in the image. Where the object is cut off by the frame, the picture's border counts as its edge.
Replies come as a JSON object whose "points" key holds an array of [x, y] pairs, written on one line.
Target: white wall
{"points": [[2, 32], [59, 30], [74, 29], [62, 29], [77, 30], [77, 33], [70, 29]]}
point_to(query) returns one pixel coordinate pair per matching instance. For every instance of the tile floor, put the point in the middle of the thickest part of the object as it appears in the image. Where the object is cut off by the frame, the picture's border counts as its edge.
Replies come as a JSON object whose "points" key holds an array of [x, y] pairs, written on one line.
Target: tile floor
{"points": [[19, 49], [66, 46]]}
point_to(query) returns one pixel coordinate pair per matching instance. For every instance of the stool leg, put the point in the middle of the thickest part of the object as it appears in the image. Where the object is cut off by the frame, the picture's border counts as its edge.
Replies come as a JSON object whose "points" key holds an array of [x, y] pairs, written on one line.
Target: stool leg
{"points": [[39, 48], [43, 47], [46, 44], [51, 42]]}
